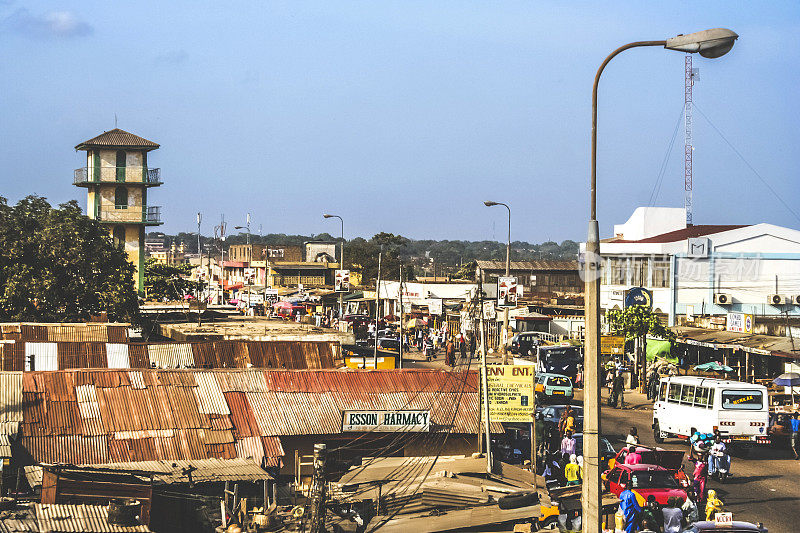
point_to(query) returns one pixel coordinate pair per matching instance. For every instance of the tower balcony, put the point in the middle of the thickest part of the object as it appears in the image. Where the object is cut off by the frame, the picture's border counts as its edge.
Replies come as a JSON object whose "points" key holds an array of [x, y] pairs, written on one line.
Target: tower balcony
{"points": [[123, 214], [85, 176]]}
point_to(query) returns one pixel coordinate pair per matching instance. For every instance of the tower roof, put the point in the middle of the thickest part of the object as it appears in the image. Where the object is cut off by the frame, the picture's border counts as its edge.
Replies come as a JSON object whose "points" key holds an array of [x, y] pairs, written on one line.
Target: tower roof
{"points": [[118, 138]]}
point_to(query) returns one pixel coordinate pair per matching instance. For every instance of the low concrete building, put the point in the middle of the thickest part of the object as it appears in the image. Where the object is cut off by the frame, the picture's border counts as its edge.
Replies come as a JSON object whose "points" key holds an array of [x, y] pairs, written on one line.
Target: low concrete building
{"points": [[539, 278], [703, 269]]}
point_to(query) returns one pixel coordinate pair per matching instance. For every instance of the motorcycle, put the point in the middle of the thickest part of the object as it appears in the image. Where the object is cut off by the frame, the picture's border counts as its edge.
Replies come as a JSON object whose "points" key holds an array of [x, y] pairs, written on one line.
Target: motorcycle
{"points": [[722, 465]]}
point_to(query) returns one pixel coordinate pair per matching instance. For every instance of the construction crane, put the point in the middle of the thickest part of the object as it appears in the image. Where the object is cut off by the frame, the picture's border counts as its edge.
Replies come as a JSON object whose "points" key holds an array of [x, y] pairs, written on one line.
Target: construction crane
{"points": [[689, 76]]}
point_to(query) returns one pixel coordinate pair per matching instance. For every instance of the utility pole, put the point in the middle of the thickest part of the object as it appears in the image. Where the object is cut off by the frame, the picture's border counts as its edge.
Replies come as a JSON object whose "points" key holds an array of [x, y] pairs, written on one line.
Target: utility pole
{"points": [[377, 305], [200, 265], [484, 380], [401, 316], [318, 483]]}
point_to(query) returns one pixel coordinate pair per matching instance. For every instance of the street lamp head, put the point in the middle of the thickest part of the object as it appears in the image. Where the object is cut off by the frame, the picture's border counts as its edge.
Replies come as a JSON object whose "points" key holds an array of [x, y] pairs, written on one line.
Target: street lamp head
{"points": [[489, 203], [708, 43], [239, 227], [326, 215]]}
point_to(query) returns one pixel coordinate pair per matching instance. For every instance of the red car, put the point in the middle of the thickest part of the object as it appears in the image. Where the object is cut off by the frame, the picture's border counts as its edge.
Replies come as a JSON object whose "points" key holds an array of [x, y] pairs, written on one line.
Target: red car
{"points": [[671, 460], [644, 480]]}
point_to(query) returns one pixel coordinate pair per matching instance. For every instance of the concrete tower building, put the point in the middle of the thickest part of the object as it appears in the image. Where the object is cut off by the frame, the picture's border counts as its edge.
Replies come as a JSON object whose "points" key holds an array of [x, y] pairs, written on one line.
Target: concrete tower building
{"points": [[117, 179]]}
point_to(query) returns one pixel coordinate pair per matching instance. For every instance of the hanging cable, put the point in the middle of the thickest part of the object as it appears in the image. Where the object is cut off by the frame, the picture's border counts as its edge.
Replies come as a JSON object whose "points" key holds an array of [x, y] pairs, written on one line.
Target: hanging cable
{"points": [[663, 168], [747, 163]]}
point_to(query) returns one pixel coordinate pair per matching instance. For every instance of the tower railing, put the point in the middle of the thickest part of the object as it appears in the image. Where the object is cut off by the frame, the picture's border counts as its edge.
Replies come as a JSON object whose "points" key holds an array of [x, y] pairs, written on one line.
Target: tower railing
{"points": [[129, 214], [109, 174]]}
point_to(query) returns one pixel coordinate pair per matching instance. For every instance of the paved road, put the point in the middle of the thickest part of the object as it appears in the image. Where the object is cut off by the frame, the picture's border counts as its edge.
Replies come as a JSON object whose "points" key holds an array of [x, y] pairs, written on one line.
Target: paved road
{"points": [[764, 487]]}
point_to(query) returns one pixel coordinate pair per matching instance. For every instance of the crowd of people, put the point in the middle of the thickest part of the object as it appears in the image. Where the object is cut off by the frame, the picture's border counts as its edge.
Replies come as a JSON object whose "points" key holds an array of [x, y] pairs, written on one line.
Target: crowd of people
{"points": [[710, 459], [429, 341]]}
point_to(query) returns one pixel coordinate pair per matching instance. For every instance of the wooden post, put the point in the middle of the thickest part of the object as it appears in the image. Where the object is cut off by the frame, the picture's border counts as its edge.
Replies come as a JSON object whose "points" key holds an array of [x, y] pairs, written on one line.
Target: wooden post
{"points": [[317, 517]]}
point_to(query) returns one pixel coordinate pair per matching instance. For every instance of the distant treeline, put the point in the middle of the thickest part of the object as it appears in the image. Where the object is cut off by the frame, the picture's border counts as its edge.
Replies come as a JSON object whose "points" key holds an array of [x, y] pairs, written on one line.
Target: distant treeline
{"points": [[419, 252]]}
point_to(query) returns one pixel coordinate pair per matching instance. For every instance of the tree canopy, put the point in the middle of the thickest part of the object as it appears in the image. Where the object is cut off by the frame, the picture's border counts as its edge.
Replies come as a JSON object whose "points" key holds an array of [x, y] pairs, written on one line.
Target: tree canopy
{"points": [[638, 321], [57, 265], [167, 281]]}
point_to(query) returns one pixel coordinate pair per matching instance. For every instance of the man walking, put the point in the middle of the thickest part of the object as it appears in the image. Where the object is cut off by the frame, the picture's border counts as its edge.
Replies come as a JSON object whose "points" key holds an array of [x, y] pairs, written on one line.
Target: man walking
{"points": [[795, 425]]}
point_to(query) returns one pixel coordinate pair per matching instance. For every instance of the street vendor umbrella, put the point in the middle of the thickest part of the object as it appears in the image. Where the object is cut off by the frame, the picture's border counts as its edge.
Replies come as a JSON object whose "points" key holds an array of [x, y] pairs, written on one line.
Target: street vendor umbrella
{"points": [[414, 323], [391, 318], [789, 379], [713, 366]]}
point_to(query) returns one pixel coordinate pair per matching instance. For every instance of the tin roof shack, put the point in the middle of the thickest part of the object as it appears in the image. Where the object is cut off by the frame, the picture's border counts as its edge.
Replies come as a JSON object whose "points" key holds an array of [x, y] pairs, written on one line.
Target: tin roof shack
{"points": [[102, 416], [61, 484], [541, 279], [175, 495]]}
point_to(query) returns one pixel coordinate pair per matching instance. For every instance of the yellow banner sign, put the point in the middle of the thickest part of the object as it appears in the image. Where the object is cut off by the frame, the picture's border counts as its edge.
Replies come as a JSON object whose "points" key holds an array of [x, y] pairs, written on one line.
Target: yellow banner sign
{"points": [[510, 390], [612, 344]]}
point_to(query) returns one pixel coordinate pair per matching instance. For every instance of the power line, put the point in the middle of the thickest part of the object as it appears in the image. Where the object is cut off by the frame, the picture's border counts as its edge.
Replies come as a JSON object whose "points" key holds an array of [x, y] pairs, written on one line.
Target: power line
{"points": [[764, 181], [662, 169]]}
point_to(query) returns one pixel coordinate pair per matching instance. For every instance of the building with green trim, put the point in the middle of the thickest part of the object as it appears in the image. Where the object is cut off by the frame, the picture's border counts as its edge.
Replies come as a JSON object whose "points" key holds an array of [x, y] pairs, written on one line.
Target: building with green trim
{"points": [[117, 178]]}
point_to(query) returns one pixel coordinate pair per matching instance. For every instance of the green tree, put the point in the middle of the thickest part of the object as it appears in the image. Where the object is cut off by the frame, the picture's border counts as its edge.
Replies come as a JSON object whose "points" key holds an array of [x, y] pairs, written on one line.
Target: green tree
{"points": [[57, 265], [362, 255], [167, 281], [637, 322]]}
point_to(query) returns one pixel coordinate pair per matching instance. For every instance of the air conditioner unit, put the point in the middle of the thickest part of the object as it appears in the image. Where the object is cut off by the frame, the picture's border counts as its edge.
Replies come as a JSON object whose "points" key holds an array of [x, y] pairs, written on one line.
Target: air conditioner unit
{"points": [[722, 298], [777, 299]]}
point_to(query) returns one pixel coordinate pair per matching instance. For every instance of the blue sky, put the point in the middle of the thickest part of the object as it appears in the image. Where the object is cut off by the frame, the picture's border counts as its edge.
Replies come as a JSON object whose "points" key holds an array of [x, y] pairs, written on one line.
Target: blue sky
{"points": [[403, 116]]}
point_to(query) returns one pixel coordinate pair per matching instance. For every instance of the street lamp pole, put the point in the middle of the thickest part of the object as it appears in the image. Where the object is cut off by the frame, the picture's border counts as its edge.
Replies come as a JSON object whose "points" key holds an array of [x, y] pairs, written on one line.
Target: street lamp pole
{"points": [[249, 259], [504, 336], [709, 43], [200, 256], [341, 258]]}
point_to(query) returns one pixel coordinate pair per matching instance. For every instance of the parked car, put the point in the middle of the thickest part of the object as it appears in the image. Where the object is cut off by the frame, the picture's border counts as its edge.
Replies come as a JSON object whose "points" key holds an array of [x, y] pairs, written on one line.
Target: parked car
{"points": [[644, 480], [525, 343], [607, 452], [735, 527], [552, 386], [669, 459]]}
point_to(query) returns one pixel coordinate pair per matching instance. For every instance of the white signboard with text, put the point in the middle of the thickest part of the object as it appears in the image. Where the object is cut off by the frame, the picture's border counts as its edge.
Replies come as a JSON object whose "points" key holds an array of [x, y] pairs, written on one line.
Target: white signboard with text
{"points": [[739, 323], [506, 290], [386, 421], [342, 281]]}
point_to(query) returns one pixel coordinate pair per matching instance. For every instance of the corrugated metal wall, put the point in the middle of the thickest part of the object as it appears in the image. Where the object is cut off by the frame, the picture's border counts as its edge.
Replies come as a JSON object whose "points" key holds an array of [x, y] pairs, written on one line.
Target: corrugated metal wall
{"points": [[89, 332], [65, 355]]}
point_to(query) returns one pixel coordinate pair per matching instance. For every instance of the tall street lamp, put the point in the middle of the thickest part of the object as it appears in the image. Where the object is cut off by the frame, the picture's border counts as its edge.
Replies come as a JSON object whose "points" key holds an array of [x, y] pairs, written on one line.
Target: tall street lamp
{"points": [[708, 43], [341, 259], [504, 336]]}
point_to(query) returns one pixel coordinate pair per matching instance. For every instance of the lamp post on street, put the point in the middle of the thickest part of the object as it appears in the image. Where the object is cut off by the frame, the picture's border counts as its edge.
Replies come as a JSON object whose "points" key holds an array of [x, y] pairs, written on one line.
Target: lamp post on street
{"points": [[504, 336], [341, 258], [249, 279], [711, 44]]}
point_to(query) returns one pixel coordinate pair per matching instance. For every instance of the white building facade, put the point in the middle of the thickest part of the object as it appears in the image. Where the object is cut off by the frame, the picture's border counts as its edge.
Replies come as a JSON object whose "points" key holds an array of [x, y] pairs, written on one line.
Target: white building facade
{"points": [[704, 269]]}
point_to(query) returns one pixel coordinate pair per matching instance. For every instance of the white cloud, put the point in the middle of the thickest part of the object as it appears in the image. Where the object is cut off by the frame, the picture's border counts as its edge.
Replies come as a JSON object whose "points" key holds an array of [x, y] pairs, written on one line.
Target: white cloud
{"points": [[53, 24]]}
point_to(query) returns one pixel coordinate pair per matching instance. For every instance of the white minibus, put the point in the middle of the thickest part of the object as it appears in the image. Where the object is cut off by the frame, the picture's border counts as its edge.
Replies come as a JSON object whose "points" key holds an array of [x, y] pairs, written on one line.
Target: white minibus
{"points": [[685, 404]]}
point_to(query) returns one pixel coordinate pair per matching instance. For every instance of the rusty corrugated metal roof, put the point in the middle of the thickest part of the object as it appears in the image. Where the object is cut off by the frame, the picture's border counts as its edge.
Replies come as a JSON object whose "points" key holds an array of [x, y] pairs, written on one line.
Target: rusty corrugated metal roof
{"points": [[106, 415], [175, 471], [66, 518]]}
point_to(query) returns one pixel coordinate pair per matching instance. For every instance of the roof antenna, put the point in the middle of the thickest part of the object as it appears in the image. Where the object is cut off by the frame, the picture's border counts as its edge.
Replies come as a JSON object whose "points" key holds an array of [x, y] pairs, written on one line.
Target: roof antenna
{"points": [[115, 121]]}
